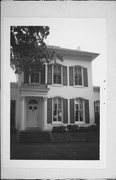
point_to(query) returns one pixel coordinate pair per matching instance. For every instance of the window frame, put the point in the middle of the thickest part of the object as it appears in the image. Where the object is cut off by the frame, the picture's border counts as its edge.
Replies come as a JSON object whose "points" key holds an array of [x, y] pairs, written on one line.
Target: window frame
{"points": [[55, 84], [83, 104], [57, 122], [75, 85]]}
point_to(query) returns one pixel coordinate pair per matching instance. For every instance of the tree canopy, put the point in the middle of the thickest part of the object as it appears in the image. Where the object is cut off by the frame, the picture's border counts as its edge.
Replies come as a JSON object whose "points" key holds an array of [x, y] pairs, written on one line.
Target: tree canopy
{"points": [[28, 47]]}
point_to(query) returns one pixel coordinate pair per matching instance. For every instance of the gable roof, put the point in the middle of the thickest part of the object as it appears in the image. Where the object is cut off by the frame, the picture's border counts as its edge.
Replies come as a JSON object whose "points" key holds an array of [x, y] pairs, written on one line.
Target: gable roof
{"points": [[64, 51]]}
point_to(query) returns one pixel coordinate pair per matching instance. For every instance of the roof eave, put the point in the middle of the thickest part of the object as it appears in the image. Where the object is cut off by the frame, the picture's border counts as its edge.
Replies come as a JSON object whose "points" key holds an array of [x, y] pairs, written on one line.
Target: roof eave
{"points": [[65, 51]]}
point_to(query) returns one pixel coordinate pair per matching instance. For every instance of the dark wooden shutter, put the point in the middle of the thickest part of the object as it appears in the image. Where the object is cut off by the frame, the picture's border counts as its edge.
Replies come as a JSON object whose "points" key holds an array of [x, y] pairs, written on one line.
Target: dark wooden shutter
{"points": [[64, 75], [49, 110], [71, 79], [12, 114], [87, 118], [85, 77], [71, 110], [43, 75], [26, 75], [65, 111], [49, 74]]}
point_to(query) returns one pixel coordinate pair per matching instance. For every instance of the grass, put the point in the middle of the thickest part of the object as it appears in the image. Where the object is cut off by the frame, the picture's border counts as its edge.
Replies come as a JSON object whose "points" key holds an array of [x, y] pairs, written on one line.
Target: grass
{"points": [[56, 151]]}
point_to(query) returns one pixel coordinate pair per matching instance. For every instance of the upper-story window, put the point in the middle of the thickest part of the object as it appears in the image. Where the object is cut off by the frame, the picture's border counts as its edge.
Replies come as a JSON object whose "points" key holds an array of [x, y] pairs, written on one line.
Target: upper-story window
{"points": [[57, 74], [78, 76], [35, 77], [79, 110], [57, 110]]}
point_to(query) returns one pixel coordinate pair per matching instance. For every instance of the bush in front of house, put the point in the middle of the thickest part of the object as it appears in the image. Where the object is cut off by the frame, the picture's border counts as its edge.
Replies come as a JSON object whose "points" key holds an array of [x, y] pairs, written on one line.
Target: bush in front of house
{"points": [[83, 129], [58, 129], [91, 128], [72, 128]]}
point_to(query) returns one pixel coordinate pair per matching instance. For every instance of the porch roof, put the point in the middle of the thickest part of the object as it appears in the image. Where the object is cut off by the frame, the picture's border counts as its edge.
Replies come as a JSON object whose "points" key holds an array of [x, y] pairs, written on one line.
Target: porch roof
{"points": [[34, 89]]}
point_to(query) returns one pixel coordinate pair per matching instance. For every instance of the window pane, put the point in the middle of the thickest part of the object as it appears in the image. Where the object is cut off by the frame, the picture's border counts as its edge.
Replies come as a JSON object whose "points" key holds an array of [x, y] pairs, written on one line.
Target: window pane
{"points": [[55, 112], [78, 76], [35, 107], [76, 118], [30, 107], [81, 116], [78, 110], [59, 118], [54, 119], [57, 74]]}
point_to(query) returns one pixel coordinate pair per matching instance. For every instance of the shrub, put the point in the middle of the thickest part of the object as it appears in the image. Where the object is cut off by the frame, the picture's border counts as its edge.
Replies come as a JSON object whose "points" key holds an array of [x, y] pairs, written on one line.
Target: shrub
{"points": [[93, 128], [83, 129], [58, 129], [72, 128]]}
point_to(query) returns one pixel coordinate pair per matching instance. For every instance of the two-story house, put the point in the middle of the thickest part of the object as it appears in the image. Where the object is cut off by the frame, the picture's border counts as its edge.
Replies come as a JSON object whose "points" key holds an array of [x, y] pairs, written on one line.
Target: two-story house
{"points": [[61, 94]]}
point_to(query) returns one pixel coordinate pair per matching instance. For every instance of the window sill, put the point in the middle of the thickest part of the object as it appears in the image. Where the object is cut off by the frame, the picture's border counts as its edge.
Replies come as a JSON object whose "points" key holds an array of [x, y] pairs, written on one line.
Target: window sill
{"points": [[80, 123], [57, 123], [57, 85], [77, 86]]}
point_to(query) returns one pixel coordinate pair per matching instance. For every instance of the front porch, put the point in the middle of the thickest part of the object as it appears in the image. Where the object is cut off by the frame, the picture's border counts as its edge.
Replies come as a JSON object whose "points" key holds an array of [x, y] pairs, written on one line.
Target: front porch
{"points": [[32, 107]]}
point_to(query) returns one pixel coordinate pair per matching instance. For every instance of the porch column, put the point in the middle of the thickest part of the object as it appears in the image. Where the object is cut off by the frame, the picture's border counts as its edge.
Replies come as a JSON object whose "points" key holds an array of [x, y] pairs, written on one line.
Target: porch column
{"points": [[46, 72], [45, 113], [22, 126]]}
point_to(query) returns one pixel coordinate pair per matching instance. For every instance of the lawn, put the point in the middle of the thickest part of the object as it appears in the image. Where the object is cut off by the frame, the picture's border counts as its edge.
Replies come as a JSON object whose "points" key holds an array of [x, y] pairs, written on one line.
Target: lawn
{"points": [[56, 151]]}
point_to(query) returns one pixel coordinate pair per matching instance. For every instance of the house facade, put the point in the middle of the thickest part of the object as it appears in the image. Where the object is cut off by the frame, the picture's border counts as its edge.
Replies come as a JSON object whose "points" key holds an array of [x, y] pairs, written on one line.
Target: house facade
{"points": [[61, 94]]}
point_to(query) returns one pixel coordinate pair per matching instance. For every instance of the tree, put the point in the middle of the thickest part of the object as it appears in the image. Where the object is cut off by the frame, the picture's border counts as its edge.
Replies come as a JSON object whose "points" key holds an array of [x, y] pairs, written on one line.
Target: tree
{"points": [[28, 47]]}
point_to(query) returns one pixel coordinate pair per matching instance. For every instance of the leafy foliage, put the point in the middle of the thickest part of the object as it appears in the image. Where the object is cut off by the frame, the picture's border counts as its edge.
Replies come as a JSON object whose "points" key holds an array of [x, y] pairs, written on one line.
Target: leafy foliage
{"points": [[28, 47]]}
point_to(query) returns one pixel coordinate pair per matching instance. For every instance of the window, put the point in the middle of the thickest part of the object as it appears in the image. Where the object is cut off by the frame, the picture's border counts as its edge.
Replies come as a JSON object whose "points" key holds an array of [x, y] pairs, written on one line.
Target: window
{"points": [[78, 75], [57, 110], [57, 74], [35, 77], [79, 110]]}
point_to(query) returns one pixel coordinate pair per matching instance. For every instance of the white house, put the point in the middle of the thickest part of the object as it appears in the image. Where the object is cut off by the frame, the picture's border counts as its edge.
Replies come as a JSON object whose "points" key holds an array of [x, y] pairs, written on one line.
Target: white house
{"points": [[61, 94]]}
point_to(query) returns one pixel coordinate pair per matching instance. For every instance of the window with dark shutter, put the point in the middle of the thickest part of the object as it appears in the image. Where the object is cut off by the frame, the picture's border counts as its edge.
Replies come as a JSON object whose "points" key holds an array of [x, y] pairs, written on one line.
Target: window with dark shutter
{"points": [[79, 110], [57, 110], [71, 80], [78, 81], [85, 77], [87, 118], [71, 110], [65, 111], [64, 75], [49, 110], [57, 74], [49, 74]]}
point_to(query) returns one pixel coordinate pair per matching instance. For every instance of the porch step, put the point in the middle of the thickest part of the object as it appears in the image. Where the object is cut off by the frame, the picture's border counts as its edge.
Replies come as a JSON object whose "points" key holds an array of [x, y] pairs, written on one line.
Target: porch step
{"points": [[34, 137]]}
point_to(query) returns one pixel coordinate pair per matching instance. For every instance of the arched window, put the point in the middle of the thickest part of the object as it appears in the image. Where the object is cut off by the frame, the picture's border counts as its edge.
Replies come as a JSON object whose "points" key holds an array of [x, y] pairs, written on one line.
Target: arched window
{"points": [[57, 109]]}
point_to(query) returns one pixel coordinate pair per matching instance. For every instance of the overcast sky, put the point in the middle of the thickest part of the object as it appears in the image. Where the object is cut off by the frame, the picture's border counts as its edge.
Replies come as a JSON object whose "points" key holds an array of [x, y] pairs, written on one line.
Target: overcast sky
{"points": [[88, 34]]}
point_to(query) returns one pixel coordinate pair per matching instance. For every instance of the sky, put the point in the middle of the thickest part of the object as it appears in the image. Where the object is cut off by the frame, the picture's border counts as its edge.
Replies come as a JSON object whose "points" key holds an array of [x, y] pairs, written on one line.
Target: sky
{"points": [[87, 33]]}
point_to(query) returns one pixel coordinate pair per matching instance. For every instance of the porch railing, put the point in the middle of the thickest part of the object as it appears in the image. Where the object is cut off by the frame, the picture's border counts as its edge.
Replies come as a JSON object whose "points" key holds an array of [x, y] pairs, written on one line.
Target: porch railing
{"points": [[34, 85]]}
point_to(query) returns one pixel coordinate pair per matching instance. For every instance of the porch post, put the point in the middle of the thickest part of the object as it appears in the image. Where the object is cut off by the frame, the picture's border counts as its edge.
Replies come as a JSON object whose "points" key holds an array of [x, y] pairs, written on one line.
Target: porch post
{"points": [[46, 69], [22, 127], [45, 114]]}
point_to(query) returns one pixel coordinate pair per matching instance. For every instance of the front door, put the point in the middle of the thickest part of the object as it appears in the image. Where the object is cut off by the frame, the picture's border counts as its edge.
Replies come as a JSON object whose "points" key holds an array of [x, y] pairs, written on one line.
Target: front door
{"points": [[32, 120]]}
